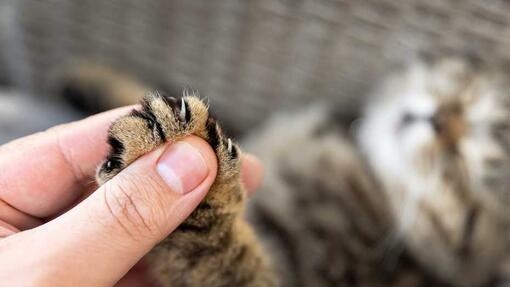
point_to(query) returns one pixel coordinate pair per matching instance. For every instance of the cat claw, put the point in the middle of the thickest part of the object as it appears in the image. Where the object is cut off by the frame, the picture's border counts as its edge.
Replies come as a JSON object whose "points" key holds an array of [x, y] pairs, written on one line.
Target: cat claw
{"points": [[229, 145], [182, 113]]}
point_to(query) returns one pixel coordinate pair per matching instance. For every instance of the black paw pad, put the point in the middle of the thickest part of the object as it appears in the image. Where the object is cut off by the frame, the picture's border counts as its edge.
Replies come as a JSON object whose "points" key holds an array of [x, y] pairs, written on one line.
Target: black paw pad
{"points": [[234, 153], [113, 161], [117, 147], [111, 164], [170, 101], [213, 135]]}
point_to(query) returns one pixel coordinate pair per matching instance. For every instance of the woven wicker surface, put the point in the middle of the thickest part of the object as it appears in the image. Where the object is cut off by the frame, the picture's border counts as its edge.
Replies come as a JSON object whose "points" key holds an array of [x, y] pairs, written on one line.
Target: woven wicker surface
{"points": [[250, 58]]}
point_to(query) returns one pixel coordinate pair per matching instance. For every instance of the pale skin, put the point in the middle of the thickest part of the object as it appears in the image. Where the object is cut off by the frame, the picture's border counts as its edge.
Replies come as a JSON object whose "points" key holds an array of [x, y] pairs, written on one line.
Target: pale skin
{"points": [[58, 229]]}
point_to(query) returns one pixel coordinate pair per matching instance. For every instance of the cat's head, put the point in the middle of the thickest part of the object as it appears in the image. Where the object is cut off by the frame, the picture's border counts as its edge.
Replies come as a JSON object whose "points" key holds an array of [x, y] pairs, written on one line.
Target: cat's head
{"points": [[437, 135]]}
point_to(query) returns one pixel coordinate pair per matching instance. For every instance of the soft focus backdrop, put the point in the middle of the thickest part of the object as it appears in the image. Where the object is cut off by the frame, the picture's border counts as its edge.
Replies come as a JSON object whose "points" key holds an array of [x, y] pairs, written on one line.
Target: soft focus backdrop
{"points": [[249, 58]]}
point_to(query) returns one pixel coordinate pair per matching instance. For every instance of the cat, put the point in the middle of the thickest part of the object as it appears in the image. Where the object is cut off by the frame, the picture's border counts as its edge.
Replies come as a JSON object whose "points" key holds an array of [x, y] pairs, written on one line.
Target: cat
{"points": [[411, 193]]}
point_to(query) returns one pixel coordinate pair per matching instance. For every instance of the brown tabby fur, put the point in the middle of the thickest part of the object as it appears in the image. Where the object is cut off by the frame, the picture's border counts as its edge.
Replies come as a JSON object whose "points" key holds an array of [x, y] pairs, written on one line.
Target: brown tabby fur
{"points": [[214, 246]]}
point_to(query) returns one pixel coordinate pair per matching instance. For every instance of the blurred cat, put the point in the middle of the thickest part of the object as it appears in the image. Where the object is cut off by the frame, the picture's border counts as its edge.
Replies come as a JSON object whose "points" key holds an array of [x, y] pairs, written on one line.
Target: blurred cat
{"points": [[419, 183]]}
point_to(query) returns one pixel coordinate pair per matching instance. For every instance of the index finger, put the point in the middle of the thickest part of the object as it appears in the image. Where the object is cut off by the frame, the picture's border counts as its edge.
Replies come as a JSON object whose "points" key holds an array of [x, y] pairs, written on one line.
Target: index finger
{"points": [[43, 173]]}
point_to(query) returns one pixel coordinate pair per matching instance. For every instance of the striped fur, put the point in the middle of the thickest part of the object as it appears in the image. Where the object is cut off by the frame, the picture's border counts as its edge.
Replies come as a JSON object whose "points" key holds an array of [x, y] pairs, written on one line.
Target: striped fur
{"points": [[214, 246]]}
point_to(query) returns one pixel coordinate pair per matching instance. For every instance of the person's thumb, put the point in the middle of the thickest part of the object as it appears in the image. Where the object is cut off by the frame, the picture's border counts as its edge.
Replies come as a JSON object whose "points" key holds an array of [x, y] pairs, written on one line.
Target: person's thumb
{"points": [[99, 240]]}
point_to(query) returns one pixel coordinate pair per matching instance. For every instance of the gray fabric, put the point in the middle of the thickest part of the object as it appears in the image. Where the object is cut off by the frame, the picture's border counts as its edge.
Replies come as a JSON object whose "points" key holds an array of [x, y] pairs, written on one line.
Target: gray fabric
{"points": [[250, 58]]}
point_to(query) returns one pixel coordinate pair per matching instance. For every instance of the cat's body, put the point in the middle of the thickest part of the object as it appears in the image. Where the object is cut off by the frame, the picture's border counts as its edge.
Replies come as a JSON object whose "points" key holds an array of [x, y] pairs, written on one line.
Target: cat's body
{"points": [[432, 143], [322, 212], [414, 193]]}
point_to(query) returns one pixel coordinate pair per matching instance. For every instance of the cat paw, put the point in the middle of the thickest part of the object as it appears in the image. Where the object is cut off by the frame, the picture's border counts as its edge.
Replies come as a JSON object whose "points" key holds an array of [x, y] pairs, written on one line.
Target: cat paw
{"points": [[214, 246], [164, 119]]}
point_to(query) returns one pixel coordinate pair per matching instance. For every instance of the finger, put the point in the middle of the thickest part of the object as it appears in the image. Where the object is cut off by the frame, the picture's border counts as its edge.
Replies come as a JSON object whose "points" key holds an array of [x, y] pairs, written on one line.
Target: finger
{"points": [[44, 172], [138, 276], [6, 229], [120, 222], [14, 217], [252, 172]]}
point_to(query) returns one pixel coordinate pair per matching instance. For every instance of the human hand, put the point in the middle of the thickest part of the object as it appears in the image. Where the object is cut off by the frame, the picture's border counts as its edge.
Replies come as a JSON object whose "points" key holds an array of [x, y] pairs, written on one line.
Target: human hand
{"points": [[56, 229]]}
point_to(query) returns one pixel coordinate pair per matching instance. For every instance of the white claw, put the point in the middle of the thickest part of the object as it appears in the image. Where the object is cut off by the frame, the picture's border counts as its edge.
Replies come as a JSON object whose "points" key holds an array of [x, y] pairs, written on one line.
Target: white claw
{"points": [[229, 146], [182, 113]]}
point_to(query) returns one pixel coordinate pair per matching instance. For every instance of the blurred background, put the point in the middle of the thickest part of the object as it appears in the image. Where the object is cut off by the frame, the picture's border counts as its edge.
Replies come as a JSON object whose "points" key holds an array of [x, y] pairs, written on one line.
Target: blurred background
{"points": [[249, 58]]}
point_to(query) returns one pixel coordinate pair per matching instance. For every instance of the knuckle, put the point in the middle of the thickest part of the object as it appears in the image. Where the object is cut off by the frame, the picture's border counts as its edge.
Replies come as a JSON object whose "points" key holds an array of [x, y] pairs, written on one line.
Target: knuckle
{"points": [[134, 204]]}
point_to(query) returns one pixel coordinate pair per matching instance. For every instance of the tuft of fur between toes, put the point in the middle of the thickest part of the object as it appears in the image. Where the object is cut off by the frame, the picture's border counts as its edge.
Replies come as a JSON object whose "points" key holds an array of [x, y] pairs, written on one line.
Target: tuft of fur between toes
{"points": [[214, 246]]}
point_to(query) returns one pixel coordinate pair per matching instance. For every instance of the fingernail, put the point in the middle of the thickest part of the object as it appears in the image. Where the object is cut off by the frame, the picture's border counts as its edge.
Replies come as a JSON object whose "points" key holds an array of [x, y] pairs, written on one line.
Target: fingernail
{"points": [[182, 167]]}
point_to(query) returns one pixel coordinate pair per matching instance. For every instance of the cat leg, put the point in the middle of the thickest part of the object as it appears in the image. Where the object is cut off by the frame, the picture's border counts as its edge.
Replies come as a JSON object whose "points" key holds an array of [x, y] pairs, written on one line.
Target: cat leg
{"points": [[214, 246]]}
